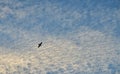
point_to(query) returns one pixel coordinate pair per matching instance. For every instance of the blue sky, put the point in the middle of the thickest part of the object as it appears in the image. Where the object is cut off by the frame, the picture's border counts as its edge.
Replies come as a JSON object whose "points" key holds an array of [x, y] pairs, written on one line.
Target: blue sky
{"points": [[82, 31]]}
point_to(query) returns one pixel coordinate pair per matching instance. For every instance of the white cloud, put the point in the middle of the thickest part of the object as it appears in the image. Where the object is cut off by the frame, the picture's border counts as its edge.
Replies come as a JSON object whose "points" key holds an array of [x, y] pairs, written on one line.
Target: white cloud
{"points": [[5, 11], [20, 14], [84, 49], [94, 48]]}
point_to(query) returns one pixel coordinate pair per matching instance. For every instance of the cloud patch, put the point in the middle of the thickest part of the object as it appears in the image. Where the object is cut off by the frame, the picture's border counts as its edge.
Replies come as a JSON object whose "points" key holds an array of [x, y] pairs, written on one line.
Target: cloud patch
{"points": [[94, 52], [75, 40]]}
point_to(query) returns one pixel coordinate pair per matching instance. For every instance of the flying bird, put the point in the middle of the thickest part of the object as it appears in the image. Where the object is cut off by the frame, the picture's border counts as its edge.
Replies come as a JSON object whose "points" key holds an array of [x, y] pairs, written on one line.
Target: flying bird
{"points": [[39, 44]]}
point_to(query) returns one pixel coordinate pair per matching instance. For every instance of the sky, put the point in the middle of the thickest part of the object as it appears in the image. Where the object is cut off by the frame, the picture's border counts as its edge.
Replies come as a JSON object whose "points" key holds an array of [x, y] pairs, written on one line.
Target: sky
{"points": [[79, 36]]}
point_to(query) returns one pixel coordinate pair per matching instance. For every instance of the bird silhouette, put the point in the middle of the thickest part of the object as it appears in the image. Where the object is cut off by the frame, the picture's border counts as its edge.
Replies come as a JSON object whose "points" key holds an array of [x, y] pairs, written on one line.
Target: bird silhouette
{"points": [[39, 44]]}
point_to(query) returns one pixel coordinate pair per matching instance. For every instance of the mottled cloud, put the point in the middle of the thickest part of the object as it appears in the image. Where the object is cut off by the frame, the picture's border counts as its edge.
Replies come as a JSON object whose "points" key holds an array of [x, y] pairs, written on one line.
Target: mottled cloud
{"points": [[87, 51], [74, 40]]}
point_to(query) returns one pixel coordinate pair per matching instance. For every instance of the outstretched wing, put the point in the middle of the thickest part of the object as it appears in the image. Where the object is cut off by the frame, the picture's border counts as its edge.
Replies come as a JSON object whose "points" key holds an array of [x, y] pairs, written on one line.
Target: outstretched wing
{"points": [[39, 44]]}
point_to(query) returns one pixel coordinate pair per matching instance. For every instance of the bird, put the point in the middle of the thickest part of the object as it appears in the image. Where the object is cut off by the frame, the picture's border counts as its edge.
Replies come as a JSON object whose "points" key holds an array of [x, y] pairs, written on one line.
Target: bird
{"points": [[39, 44]]}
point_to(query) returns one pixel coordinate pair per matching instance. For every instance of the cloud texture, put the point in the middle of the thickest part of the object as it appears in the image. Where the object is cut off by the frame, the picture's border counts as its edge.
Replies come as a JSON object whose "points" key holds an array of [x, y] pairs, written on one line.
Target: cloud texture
{"points": [[79, 37]]}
